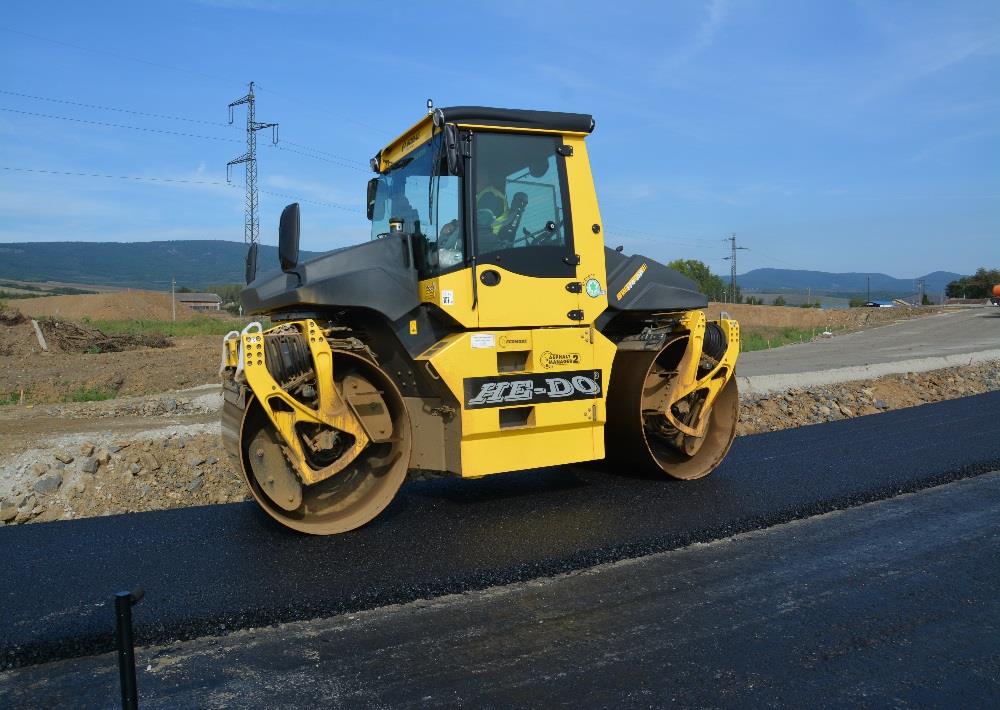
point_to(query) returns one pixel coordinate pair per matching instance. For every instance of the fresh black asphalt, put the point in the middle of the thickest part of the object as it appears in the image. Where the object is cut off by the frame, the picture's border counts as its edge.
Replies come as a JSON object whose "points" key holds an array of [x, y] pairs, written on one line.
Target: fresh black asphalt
{"points": [[888, 604], [217, 568]]}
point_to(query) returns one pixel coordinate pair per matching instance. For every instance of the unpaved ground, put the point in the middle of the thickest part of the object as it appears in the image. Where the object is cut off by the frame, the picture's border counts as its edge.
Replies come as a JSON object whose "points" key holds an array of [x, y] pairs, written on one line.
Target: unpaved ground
{"points": [[54, 376], [164, 451], [190, 361], [119, 305], [807, 318]]}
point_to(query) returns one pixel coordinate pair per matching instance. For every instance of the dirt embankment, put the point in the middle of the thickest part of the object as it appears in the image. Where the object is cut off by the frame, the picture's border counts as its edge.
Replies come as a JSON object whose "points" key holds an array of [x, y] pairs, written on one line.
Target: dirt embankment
{"points": [[83, 362], [120, 305], [814, 405], [808, 318], [54, 377], [91, 475]]}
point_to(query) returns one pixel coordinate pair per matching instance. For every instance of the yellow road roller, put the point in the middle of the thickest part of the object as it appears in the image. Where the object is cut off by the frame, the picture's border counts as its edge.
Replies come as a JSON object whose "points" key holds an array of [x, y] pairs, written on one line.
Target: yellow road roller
{"points": [[484, 328]]}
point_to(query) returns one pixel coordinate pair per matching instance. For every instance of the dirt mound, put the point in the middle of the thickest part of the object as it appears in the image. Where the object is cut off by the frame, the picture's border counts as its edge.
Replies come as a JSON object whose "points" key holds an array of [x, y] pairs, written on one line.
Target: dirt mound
{"points": [[121, 305], [10, 316], [55, 376], [804, 318], [72, 338]]}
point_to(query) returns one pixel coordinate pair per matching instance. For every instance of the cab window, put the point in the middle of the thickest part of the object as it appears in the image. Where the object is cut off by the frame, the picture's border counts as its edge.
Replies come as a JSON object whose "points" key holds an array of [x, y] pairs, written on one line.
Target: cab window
{"points": [[419, 192], [521, 221]]}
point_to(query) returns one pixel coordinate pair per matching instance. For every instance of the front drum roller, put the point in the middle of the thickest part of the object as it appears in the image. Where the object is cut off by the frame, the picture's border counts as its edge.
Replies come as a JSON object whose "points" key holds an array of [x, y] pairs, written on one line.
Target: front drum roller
{"points": [[347, 499], [635, 433]]}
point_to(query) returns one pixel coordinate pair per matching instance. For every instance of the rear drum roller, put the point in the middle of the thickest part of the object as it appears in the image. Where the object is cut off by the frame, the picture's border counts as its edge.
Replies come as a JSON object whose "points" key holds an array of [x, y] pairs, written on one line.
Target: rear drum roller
{"points": [[635, 433], [346, 500]]}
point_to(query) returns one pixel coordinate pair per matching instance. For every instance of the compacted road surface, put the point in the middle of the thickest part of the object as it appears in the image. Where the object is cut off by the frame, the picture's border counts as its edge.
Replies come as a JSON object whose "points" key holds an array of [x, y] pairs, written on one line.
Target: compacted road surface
{"points": [[889, 603], [950, 334]]}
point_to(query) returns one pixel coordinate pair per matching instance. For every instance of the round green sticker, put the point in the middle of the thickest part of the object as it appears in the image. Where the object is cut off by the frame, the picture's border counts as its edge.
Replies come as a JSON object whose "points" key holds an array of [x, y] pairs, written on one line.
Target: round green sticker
{"points": [[594, 288]]}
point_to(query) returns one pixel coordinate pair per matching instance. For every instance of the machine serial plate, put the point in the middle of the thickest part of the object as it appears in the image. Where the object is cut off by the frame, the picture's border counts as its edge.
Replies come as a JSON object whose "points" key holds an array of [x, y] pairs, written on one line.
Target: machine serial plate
{"points": [[508, 390]]}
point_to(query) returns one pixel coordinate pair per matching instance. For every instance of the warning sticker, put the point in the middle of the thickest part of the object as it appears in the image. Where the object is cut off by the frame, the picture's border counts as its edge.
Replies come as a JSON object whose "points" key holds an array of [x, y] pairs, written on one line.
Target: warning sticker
{"points": [[447, 297], [483, 340]]}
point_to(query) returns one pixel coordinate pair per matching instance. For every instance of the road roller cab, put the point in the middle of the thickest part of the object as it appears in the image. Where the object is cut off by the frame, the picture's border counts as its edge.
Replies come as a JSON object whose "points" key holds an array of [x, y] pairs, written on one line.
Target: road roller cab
{"points": [[484, 328]]}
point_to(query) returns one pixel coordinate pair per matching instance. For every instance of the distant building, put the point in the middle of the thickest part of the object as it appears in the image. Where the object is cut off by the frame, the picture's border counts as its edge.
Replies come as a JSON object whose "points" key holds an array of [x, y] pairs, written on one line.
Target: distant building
{"points": [[200, 301]]}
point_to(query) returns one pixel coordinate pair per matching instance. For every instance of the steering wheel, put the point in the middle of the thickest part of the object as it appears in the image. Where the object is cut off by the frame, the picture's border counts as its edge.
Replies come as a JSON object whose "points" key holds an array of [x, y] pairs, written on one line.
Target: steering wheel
{"points": [[544, 236]]}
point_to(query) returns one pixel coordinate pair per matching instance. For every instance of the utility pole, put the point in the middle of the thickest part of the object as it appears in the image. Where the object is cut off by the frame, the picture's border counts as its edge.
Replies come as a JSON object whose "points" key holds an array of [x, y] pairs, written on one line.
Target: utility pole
{"points": [[251, 225], [173, 301], [868, 289], [732, 265], [920, 292]]}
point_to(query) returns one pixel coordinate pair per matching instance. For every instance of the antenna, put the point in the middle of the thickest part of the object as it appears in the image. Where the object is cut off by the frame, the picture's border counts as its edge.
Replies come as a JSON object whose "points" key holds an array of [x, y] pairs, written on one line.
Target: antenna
{"points": [[251, 232]]}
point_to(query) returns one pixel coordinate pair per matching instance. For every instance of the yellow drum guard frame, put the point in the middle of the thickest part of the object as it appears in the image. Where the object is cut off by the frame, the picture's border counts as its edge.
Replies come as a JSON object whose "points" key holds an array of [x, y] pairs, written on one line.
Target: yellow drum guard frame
{"points": [[333, 411], [687, 381]]}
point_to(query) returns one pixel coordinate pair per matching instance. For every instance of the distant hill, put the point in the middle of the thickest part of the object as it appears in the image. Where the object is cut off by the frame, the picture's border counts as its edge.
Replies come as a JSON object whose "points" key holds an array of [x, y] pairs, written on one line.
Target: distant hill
{"points": [[149, 265], [198, 263], [793, 280]]}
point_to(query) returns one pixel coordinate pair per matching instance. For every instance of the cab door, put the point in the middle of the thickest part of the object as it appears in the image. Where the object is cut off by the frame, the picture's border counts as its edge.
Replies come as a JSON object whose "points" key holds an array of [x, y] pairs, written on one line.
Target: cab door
{"points": [[526, 266]]}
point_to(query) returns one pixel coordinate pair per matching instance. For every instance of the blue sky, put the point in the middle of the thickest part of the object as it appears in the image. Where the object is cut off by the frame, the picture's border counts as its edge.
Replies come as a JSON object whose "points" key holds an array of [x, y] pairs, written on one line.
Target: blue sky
{"points": [[839, 136]]}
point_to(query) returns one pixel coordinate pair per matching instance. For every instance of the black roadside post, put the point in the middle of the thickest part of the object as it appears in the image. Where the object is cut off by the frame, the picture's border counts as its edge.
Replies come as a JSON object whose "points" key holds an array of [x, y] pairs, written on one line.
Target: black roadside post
{"points": [[124, 601]]}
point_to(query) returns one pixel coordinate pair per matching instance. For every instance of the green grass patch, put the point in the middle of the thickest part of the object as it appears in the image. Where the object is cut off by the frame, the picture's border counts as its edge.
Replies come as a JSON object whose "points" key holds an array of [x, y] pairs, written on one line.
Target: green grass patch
{"points": [[91, 394], [11, 398], [765, 338], [195, 326]]}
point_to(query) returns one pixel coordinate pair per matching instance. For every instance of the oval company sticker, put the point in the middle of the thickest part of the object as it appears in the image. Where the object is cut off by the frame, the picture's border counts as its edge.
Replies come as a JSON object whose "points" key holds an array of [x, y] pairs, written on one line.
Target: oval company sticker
{"points": [[593, 288]]}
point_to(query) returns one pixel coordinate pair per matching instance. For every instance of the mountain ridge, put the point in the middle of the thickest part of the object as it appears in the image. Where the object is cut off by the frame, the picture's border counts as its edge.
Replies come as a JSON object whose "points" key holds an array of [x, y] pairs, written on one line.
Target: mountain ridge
{"points": [[199, 263]]}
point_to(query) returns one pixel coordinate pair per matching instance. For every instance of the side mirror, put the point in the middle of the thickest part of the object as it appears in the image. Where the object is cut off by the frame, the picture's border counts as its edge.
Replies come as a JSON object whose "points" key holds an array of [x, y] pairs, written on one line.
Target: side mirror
{"points": [[251, 271], [288, 238], [372, 191]]}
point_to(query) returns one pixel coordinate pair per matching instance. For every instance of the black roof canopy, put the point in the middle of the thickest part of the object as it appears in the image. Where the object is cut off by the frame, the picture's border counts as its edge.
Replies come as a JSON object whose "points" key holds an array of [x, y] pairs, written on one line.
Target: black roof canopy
{"points": [[516, 118]]}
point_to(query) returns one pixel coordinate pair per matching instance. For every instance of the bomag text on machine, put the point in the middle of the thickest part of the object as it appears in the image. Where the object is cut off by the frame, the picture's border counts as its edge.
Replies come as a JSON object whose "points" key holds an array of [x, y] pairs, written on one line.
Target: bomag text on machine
{"points": [[484, 328]]}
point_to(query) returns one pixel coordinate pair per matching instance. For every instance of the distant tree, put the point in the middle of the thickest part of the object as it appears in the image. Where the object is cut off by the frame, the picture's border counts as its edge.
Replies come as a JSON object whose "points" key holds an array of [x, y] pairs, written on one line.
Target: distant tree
{"points": [[779, 301], [925, 300], [857, 301], [978, 285], [755, 301], [185, 289], [708, 283]]}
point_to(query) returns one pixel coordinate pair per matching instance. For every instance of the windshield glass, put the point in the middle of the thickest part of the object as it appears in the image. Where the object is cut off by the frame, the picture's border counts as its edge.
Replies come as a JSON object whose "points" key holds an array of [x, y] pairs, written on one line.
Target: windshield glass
{"points": [[428, 202]]}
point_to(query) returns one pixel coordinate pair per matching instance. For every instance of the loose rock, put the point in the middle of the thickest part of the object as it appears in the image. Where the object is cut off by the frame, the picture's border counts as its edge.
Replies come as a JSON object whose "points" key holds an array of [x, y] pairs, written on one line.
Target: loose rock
{"points": [[48, 483], [88, 464]]}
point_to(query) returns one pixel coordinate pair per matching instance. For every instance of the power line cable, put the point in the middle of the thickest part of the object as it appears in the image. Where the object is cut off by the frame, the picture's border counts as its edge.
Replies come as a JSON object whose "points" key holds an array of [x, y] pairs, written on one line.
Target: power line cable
{"points": [[117, 55], [215, 77], [327, 153], [688, 240], [318, 157], [142, 178], [334, 158], [120, 125], [112, 108], [115, 177]]}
